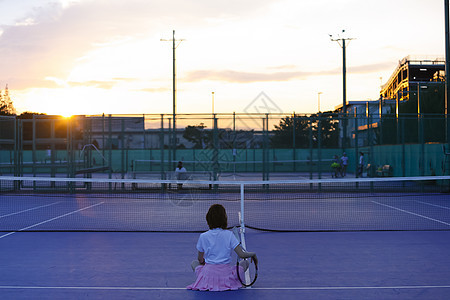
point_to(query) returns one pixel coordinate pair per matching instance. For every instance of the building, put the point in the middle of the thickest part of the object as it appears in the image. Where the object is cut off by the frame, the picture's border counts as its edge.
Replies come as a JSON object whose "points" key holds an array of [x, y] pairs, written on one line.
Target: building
{"points": [[412, 74], [410, 107], [364, 120], [418, 88]]}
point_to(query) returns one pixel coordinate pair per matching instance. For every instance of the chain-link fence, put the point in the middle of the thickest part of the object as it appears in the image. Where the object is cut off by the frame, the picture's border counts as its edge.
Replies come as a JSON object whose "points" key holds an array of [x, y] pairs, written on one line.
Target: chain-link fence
{"points": [[255, 145]]}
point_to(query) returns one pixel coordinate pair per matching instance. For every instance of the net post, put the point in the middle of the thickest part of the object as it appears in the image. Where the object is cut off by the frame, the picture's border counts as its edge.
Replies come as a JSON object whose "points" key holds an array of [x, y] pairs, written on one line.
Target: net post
{"points": [[241, 218], [264, 150]]}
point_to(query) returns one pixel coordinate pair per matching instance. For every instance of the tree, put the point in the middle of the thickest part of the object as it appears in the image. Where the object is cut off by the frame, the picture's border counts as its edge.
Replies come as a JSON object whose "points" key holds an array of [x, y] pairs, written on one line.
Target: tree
{"points": [[329, 130], [198, 136], [28, 115], [6, 104], [284, 132], [307, 131]]}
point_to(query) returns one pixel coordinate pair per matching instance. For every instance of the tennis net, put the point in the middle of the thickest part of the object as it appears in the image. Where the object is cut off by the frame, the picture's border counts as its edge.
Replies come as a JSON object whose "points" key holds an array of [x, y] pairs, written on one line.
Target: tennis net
{"points": [[235, 166], [102, 204]]}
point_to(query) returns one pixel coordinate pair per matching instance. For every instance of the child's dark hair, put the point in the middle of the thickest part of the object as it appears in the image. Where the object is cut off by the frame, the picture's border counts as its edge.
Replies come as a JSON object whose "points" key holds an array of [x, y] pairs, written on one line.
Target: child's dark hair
{"points": [[217, 217]]}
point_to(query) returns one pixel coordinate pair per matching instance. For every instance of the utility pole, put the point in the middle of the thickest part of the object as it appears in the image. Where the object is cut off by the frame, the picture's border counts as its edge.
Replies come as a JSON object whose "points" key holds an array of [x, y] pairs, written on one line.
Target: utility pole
{"points": [[341, 41], [174, 92]]}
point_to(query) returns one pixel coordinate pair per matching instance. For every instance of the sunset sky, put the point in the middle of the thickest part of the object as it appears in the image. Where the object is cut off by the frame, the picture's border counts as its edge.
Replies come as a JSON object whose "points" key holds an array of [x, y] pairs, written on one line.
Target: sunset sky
{"points": [[71, 57]]}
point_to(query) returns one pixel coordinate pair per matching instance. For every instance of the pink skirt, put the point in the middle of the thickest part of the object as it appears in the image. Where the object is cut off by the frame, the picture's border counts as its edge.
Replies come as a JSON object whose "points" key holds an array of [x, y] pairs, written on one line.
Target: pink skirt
{"points": [[216, 278]]}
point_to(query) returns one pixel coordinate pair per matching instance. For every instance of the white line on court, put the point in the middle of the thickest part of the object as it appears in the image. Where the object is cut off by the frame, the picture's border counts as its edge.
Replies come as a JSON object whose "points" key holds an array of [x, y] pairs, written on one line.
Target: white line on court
{"points": [[253, 288], [435, 205], [49, 220], [411, 213], [33, 208]]}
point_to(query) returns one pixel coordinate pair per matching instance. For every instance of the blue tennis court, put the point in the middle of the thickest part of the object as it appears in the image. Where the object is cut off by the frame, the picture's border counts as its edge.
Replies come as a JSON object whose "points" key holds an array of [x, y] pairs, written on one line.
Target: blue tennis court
{"points": [[109, 239], [308, 265]]}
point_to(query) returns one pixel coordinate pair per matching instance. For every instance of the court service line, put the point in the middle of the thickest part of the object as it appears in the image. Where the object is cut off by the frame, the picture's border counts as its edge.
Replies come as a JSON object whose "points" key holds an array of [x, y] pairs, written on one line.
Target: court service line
{"points": [[411, 213], [253, 288], [435, 205], [33, 208], [49, 220]]}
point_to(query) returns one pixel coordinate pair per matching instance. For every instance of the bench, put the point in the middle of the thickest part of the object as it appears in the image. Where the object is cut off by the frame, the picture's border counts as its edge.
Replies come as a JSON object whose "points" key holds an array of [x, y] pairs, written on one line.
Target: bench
{"points": [[385, 170]]}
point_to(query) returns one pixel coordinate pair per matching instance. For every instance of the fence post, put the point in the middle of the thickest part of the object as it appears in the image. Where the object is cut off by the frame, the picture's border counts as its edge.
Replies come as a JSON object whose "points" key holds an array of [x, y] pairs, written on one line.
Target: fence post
{"points": [[215, 150], [355, 122], [294, 123], [310, 147], [161, 146], [319, 144]]}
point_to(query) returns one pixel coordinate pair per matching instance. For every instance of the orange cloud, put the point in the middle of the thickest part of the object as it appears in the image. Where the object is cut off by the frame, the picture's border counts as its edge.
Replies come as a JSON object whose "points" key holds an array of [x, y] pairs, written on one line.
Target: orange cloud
{"points": [[246, 77]]}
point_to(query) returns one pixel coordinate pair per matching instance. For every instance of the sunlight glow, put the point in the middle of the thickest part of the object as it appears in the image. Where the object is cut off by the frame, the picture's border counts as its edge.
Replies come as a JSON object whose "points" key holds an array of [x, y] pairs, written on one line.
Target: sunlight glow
{"points": [[113, 62]]}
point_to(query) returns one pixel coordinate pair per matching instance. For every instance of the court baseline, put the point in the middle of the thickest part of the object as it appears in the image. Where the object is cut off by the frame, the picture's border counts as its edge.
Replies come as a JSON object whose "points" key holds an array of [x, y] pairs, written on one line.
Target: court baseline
{"points": [[253, 288]]}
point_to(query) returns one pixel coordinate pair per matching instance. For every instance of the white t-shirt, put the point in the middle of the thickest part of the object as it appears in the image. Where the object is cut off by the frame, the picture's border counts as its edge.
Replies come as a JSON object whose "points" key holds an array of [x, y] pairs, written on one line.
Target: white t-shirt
{"points": [[344, 160], [179, 173], [217, 245]]}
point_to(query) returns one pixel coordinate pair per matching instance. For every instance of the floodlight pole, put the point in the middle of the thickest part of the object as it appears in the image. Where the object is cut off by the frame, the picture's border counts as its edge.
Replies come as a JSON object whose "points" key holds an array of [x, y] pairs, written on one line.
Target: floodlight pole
{"points": [[212, 93], [341, 42], [318, 101], [174, 93]]}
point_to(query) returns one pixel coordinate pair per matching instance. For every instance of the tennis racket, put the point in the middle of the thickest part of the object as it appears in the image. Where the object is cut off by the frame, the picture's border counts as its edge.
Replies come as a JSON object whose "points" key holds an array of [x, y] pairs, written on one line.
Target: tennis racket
{"points": [[246, 268]]}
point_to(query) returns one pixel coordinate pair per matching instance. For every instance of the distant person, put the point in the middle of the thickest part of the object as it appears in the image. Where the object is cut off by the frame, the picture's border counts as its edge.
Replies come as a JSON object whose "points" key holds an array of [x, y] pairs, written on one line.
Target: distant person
{"points": [[336, 167], [212, 268], [179, 173], [49, 154], [344, 164], [361, 164]]}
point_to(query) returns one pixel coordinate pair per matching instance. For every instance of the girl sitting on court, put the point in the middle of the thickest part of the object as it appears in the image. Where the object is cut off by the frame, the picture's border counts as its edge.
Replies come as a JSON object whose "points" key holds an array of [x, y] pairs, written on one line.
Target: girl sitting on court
{"points": [[213, 269]]}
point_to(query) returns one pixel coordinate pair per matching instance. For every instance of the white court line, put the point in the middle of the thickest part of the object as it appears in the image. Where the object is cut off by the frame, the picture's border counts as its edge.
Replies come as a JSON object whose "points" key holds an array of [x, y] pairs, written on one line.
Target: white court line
{"points": [[411, 213], [435, 205], [33, 208], [254, 288], [52, 219]]}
